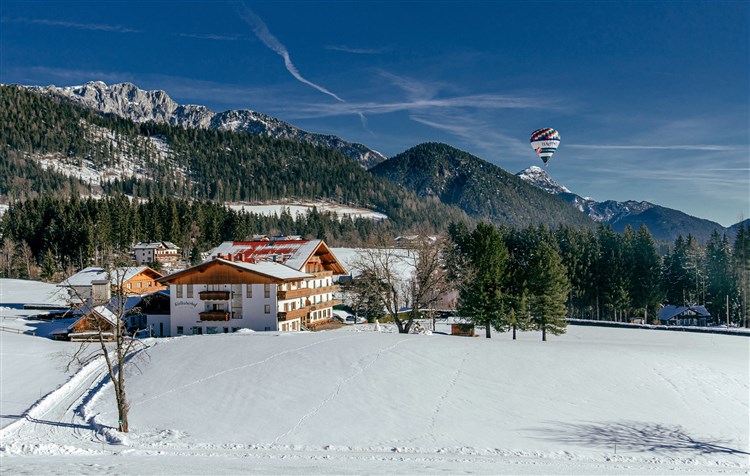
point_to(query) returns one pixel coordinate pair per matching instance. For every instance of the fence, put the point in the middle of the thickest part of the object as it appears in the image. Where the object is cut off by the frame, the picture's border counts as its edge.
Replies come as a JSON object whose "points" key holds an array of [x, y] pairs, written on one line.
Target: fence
{"points": [[737, 331], [16, 331]]}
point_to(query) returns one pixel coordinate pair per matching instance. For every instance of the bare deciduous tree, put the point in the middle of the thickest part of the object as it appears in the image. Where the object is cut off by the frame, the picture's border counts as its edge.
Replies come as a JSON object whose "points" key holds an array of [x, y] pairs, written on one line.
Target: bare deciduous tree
{"points": [[109, 340], [412, 274]]}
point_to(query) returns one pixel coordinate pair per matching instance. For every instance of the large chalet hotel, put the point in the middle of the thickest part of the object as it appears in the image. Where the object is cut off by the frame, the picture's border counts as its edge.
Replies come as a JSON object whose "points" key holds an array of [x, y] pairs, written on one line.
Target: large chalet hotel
{"points": [[268, 284]]}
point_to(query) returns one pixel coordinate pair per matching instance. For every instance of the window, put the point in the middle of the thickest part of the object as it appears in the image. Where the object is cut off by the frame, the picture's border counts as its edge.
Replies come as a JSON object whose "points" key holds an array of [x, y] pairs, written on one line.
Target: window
{"points": [[127, 285], [226, 330], [267, 309], [235, 329], [190, 290], [212, 330], [249, 290], [138, 284], [197, 330], [266, 291], [178, 291], [180, 330]]}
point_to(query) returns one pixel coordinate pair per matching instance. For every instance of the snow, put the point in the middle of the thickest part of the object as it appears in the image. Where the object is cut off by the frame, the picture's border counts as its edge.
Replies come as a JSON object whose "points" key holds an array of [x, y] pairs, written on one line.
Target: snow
{"points": [[353, 401], [17, 292], [305, 207], [127, 157], [348, 257]]}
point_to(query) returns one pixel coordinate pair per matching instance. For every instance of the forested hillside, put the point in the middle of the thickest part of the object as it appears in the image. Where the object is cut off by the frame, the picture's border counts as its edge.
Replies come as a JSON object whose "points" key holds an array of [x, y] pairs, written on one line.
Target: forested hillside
{"points": [[51, 146], [48, 235], [481, 189]]}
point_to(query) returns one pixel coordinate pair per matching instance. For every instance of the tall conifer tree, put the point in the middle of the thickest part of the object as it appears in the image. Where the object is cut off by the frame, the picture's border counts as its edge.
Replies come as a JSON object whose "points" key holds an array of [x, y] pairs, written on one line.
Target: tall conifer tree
{"points": [[548, 291]]}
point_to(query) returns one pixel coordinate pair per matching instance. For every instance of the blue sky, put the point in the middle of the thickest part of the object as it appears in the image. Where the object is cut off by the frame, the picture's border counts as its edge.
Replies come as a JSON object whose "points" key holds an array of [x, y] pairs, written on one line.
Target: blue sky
{"points": [[652, 99]]}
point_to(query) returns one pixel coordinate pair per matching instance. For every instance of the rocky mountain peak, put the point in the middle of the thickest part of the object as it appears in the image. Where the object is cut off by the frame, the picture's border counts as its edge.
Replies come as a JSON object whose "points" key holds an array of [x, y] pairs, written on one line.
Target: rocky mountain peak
{"points": [[129, 101], [539, 178]]}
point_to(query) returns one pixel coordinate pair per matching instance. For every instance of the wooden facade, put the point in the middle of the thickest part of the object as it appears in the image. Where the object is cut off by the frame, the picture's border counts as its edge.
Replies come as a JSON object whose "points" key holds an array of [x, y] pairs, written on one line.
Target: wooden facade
{"points": [[144, 282]]}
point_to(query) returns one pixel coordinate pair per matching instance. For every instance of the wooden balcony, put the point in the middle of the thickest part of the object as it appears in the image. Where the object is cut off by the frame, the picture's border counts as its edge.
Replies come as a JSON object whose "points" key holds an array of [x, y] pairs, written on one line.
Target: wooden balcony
{"points": [[326, 289], [293, 314], [214, 295], [305, 292], [323, 305], [214, 316], [294, 293]]}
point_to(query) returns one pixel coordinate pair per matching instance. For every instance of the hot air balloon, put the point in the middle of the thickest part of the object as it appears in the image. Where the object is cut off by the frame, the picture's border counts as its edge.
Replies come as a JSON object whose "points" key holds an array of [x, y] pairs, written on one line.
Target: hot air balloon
{"points": [[545, 141]]}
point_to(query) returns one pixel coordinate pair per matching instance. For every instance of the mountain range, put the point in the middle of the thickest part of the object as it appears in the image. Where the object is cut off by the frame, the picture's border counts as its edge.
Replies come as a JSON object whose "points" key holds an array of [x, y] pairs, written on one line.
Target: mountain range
{"points": [[128, 101], [137, 140], [481, 189], [663, 223]]}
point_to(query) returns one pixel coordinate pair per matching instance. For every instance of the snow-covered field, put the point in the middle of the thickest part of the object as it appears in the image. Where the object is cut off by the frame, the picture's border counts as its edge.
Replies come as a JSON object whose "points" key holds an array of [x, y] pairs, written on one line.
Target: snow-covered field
{"points": [[304, 208], [353, 401], [17, 292]]}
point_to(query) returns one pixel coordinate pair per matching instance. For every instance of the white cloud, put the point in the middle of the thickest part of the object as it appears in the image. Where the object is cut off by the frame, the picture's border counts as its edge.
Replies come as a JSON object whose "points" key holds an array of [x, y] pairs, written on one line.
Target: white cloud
{"points": [[707, 147], [71, 24], [356, 51], [211, 36]]}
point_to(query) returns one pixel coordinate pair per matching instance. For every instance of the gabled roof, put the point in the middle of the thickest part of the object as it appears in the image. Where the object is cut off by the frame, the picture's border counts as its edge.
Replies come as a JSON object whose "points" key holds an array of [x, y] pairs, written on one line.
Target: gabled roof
{"points": [[269, 270], [144, 245], [670, 312], [293, 253], [100, 311], [116, 276]]}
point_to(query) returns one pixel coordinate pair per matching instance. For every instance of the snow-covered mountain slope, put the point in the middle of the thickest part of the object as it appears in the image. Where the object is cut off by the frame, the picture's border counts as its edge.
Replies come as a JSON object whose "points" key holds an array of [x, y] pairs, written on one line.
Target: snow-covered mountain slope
{"points": [[538, 177], [128, 101], [357, 401], [664, 223]]}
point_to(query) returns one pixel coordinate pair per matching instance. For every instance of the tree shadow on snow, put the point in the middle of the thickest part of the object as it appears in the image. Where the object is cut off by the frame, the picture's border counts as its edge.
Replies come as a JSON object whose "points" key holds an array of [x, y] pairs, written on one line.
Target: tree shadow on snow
{"points": [[635, 436]]}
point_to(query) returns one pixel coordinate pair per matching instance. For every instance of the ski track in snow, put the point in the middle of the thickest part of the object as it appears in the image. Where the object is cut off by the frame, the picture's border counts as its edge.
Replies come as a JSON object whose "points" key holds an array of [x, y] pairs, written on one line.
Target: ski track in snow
{"points": [[62, 408], [240, 367], [63, 424], [439, 405], [337, 389]]}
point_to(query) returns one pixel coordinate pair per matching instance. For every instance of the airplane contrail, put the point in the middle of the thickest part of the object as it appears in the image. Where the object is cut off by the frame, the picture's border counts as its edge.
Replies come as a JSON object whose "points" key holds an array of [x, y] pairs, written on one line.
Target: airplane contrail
{"points": [[264, 34]]}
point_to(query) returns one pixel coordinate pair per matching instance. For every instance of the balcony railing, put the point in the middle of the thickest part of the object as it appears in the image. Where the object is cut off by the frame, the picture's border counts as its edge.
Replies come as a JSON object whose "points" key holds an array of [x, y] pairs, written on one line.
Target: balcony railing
{"points": [[214, 316], [293, 314], [321, 274], [323, 305], [294, 293], [305, 292], [214, 295]]}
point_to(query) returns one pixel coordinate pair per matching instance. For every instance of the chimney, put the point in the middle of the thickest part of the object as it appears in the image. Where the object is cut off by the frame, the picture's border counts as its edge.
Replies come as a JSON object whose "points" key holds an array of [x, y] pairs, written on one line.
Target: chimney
{"points": [[100, 292]]}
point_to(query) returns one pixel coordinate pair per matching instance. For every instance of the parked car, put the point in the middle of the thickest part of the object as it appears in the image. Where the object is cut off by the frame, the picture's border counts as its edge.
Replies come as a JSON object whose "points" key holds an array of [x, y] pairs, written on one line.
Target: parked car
{"points": [[355, 320]]}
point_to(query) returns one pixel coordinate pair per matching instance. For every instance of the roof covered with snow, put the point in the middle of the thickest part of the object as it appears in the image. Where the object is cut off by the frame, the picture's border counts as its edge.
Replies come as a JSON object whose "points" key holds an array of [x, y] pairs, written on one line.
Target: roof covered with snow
{"points": [[670, 312], [155, 245], [267, 269], [101, 311], [271, 269], [116, 276], [289, 251]]}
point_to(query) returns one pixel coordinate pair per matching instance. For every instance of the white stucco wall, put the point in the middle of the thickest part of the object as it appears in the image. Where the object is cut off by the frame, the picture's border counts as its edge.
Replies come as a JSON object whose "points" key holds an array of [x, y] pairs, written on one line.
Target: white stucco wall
{"points": [[185, 310]]}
